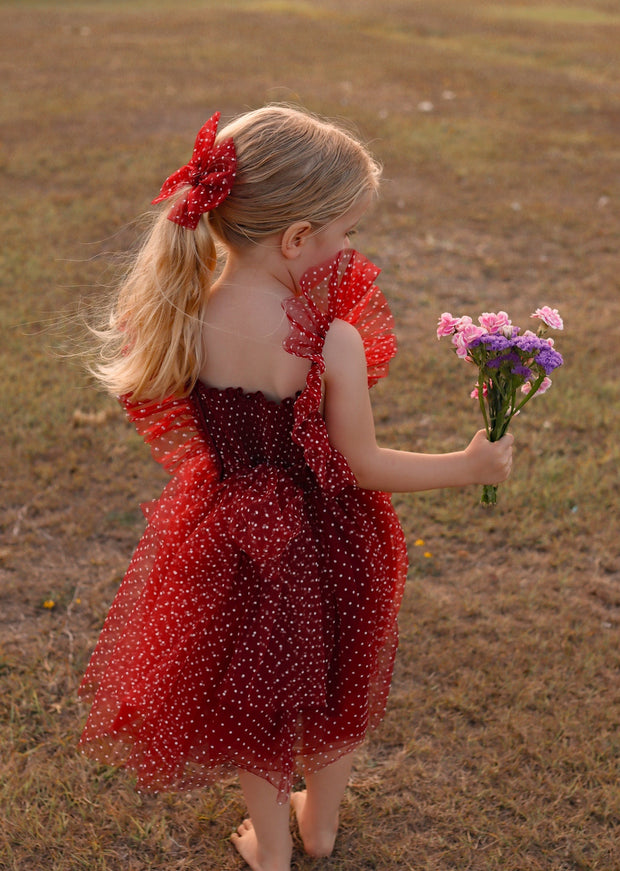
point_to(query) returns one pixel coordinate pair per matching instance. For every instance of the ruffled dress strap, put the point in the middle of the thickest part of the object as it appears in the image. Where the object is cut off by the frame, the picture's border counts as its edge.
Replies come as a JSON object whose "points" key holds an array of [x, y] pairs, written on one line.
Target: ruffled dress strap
{"points": [[341, 288]]}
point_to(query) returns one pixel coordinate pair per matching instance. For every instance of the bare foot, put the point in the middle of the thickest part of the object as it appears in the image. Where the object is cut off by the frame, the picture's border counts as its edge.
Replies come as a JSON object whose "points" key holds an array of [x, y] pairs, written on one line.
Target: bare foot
{"points": [[318, 836], [246, 844]]}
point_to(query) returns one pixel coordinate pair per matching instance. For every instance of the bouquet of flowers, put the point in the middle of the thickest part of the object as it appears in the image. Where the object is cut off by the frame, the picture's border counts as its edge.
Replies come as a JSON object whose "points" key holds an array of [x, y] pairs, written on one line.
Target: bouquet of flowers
{"points": [[512, 366]]}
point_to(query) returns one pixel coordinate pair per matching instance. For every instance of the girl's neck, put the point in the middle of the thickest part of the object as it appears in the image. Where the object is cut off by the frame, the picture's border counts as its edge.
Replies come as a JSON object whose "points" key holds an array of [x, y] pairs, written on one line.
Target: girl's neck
{"points": [[259, 268]]}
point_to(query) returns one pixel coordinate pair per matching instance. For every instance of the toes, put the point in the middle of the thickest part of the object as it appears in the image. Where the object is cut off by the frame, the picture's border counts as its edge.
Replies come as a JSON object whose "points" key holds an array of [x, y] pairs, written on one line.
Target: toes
{"points": [[244, 829]]}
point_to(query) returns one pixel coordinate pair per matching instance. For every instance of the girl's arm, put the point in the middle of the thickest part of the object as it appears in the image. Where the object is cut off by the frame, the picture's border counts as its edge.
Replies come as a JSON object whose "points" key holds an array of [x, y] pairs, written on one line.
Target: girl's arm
{"points": [[350, 424]]}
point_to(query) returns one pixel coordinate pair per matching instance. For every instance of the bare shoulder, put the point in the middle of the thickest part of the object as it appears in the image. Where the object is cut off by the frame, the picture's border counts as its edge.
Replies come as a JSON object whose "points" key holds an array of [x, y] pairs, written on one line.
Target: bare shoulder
{"points": [[343, 345]]}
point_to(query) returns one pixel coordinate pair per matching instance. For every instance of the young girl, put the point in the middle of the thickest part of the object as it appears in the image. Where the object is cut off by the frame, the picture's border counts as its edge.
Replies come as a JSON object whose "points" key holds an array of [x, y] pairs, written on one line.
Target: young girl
{"points": [[255, 630]]}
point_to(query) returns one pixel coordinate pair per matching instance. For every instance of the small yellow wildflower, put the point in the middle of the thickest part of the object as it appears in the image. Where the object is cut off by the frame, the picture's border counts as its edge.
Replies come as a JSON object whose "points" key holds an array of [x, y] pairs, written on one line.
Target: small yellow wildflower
{"points": [[419, 542], [49, 603], [427, 554]]}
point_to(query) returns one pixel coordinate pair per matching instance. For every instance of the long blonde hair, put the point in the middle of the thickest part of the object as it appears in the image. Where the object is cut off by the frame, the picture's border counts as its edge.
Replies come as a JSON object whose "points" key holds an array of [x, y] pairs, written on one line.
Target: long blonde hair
{"points": [[291, 166]]}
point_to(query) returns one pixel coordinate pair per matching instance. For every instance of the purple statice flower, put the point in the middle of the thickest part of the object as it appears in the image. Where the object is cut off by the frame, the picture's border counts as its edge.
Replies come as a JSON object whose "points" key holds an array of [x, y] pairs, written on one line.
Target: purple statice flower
{"points": [[494, 342], [496, 362], [530, 344], [524, 371], [548, 359]]}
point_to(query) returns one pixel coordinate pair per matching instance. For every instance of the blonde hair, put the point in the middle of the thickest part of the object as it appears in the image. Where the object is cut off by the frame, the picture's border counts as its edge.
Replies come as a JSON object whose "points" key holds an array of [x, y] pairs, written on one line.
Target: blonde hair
{"points": [[291, 166]]}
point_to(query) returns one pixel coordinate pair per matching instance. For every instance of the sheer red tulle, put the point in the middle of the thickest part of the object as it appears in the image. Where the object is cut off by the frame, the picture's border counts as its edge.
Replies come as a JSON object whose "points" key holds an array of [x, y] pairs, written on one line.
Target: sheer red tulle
{"points": [[256, 625]]}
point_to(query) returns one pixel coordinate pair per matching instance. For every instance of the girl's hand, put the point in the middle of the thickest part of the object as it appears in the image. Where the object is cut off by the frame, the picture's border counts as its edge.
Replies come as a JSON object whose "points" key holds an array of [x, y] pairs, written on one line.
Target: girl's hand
{"points": [[491, 462]]}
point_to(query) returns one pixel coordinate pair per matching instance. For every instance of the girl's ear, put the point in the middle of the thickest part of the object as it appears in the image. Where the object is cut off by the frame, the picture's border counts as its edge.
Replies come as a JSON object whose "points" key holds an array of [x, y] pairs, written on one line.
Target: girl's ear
{"points": [[294, 238]]}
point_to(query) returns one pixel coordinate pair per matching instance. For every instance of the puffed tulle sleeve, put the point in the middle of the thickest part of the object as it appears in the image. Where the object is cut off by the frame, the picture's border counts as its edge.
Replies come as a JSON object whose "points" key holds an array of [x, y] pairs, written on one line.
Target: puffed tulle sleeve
{"points": [[342, 288], [173, 430]]}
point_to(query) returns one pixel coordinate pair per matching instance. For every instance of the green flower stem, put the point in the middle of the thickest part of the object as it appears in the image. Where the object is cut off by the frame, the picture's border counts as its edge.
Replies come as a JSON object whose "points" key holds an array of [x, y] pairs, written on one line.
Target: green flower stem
{"points": [[489, 494], [501, 409], [482, 404], [496, 412]]}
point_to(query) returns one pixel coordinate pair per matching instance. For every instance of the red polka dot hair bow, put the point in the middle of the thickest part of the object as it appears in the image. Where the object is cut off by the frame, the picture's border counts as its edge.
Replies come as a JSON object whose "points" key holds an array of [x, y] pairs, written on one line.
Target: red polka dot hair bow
{"points": [[210, 172]]}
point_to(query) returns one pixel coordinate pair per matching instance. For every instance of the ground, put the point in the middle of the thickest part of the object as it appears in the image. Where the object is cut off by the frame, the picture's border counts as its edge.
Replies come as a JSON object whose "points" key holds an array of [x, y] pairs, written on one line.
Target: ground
{"points": [[497, 125]]}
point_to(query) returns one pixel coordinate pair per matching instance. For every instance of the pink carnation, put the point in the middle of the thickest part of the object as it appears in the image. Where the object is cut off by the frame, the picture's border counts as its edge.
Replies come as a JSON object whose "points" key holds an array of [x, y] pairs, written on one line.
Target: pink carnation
{"points": [[460, 345], [446, 325], [544, 386], [462, 339], [494, 322], [550, 317], [476, 393]]}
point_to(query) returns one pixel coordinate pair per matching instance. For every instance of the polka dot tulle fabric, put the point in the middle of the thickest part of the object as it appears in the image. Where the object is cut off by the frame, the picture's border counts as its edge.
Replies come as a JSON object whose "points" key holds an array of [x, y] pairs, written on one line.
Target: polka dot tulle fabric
{"points": [[256, 625]]}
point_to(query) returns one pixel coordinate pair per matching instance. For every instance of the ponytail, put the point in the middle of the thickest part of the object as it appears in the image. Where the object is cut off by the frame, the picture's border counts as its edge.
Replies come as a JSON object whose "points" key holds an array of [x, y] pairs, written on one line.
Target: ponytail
{"points": [[152, 346]]}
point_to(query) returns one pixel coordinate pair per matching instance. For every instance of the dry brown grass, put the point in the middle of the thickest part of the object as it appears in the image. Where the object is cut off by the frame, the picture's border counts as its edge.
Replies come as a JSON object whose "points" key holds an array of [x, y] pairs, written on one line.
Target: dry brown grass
{"points": [[501, 745]]}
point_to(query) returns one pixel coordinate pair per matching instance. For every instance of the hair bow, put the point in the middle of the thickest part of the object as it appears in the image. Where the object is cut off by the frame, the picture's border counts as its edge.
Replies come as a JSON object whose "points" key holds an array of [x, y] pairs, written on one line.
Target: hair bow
{"points": [[210, 172]]}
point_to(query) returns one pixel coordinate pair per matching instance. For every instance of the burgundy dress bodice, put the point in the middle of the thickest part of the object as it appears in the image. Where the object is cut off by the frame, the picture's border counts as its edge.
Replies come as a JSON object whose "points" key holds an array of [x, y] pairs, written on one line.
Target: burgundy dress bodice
{"points": [[249, 429]]}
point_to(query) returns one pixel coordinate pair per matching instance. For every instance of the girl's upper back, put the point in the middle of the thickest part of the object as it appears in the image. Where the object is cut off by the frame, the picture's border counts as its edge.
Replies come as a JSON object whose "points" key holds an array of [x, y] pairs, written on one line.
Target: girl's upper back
{"points": [[244, 330]]}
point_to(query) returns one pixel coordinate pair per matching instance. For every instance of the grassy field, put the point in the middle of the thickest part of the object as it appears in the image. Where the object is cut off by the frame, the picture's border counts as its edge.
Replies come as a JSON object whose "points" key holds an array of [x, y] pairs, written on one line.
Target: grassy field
{"points": [[498, 124]]}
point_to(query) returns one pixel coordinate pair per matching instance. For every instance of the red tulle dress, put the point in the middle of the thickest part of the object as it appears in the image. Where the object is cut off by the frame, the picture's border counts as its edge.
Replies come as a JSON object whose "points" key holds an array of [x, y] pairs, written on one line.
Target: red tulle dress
{"points": [[256, 626]]}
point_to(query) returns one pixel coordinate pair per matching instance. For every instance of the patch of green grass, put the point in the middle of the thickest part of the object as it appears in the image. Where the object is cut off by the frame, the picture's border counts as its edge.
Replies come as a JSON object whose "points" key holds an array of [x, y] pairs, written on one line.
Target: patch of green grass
{"points": [[553, 13]]}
